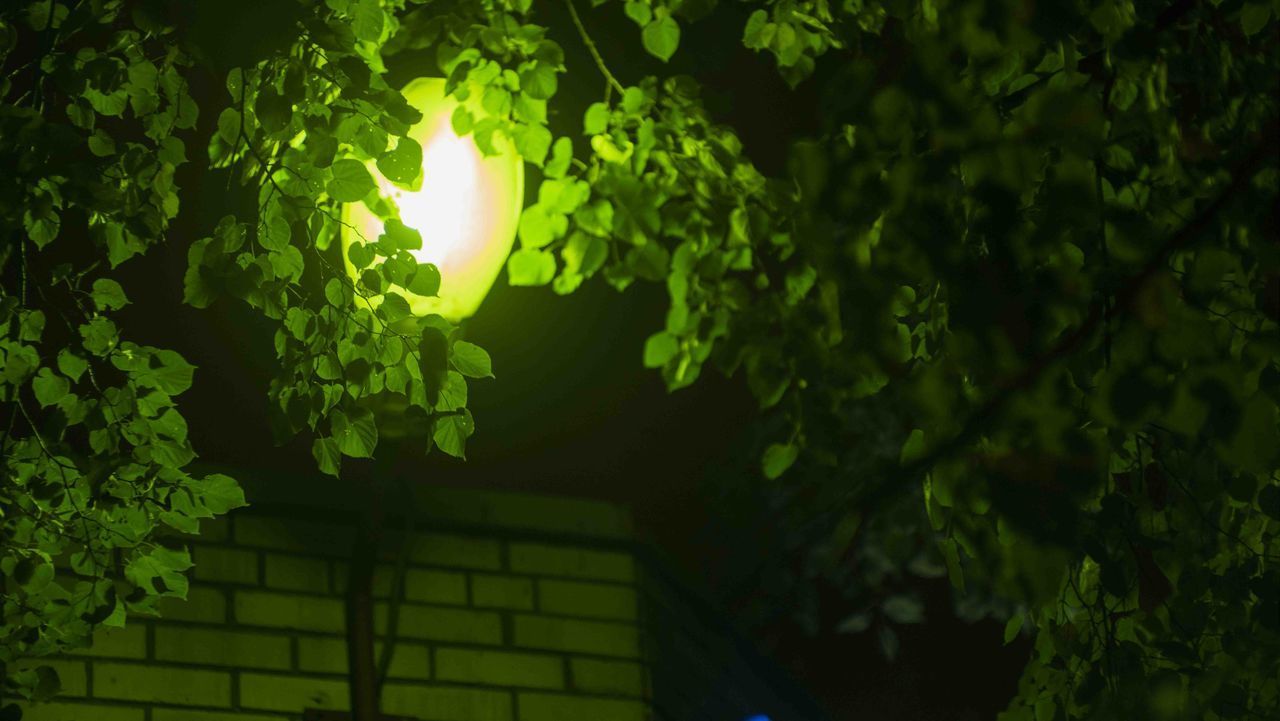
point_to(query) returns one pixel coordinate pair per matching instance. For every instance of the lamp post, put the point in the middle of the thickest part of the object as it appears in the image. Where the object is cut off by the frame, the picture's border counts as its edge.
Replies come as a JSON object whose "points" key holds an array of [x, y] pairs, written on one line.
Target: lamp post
{"points": [[466, 205]]}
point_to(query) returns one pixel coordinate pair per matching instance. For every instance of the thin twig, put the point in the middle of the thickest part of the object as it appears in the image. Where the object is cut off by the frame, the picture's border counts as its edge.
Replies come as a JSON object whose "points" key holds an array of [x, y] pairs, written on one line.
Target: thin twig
{"points": [[591, 47]]}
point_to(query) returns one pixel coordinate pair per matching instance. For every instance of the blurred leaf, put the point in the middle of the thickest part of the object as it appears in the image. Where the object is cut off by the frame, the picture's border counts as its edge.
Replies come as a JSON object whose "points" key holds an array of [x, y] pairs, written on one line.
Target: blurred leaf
{"points": [[529, 266], [903, 609], [778, 458]]}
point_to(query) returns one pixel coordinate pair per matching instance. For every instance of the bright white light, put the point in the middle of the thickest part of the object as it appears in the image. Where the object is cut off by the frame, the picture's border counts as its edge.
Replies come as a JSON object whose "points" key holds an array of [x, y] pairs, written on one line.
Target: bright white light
{"points": [[466, 208], [448, 209]]}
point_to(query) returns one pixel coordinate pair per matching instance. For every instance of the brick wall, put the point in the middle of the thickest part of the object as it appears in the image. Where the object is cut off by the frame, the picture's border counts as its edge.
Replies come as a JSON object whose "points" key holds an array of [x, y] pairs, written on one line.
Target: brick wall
{"points": [[513, 614]]}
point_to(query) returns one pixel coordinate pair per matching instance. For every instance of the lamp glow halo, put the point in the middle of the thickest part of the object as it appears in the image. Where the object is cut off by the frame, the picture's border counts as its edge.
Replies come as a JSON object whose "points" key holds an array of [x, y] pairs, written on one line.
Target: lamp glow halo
{"points": [[467, 207]]}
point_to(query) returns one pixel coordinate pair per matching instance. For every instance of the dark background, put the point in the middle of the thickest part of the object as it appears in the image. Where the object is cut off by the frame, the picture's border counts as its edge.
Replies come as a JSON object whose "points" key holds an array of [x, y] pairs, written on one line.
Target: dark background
{"points": [[572, 411]]}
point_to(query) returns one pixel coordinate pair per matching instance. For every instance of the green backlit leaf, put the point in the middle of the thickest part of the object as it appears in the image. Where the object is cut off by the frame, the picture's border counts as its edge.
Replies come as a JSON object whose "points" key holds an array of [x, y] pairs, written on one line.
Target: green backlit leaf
{"points": [[529, 266], [327, 455], [660, 348], [778, 457], [49, 388], [451, 433], [160, 571], [393, 308], [71, 365], [753, 34], [903, 609], [220, 493], [367, 19], [638, 11], [471, 360], [662, 37], [402, 164], [1254, 17], [272, 110], [539, 81], [108, 295], [596, 119], [168, 372], [400, 236], [561, 155], [425, 280], [356, 434], [351, 181]]}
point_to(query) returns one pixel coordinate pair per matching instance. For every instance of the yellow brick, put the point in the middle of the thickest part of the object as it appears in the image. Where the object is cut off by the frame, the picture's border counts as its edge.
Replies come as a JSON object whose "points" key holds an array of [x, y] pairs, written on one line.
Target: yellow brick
{"points": [[499, 668], [449, 704], [435, 549], [280, 610], [203, 604], [173, 714], [292, 693], [567, 634], [589, 600], [165, 684], [283, 534], [545, 560], [221, 647], [410, 661], [553, 707], [435, 586], [58, 711], [322, 655], [434, 623], [227, 565], [501, 592], [293, 573], [127, 642], [596, 676], [215, 529], [329, 655]]}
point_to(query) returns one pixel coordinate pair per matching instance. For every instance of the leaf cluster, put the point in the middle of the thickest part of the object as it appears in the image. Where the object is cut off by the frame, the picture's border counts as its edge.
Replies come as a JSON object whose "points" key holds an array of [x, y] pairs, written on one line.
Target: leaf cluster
{"points": [[94, 448]]}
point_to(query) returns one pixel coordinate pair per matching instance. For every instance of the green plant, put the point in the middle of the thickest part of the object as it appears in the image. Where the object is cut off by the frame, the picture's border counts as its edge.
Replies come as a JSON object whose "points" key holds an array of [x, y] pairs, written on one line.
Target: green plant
{"points": [[1014, 311]]}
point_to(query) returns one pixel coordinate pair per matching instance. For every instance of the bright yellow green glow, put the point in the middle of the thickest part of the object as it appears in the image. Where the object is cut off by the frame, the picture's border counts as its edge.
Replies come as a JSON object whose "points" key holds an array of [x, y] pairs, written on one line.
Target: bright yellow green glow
{"points": [[467, 207]]}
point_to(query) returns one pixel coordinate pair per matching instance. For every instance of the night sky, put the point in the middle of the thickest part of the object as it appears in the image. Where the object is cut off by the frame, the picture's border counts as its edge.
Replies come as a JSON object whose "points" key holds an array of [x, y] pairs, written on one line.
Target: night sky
{"points": [[572, 411]]}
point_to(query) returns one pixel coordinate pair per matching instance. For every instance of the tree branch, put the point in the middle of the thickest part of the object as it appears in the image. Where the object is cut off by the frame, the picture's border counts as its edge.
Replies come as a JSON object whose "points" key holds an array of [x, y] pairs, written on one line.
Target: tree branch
{"points": [[1243, 172], [591, 47]]}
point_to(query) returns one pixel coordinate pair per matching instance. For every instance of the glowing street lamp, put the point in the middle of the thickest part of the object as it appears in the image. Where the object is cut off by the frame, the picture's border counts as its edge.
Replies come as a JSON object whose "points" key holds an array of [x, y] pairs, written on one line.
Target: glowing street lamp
{"points": [[467, 207]]}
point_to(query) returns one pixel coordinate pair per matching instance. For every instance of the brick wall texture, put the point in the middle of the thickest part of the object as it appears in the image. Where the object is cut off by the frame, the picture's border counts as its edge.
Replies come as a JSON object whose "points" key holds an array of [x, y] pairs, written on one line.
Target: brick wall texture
{"points": [[491, 628]]}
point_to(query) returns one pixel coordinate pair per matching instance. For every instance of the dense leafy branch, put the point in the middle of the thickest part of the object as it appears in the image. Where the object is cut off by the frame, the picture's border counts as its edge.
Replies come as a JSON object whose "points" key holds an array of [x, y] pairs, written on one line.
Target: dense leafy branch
{"points": [[1081, 334]]}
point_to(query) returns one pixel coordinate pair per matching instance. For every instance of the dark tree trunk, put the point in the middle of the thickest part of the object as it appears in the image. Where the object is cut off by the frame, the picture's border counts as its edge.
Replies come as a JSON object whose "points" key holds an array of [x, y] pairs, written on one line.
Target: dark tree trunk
{"points": [[363, 669]]}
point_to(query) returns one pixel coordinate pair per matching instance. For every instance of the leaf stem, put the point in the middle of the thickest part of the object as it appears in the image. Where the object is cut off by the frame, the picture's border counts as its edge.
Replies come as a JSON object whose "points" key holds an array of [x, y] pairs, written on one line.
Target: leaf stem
{"points": [[591, 47]]}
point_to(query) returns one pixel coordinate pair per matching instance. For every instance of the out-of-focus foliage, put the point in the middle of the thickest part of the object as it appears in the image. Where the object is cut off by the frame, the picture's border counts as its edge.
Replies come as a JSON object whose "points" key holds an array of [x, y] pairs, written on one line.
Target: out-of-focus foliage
{"points": [[1014, 313], [1017, 316]]}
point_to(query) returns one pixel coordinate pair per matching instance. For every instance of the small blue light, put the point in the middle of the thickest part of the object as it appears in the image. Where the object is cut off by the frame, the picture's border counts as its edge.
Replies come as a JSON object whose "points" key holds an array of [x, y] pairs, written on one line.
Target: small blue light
{"points": [[757, 717]]}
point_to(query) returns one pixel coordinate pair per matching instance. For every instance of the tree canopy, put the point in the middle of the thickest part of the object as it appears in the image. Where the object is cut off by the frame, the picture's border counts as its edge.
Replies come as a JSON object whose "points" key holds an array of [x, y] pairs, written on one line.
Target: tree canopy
{"points": [[1012, 316]]}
